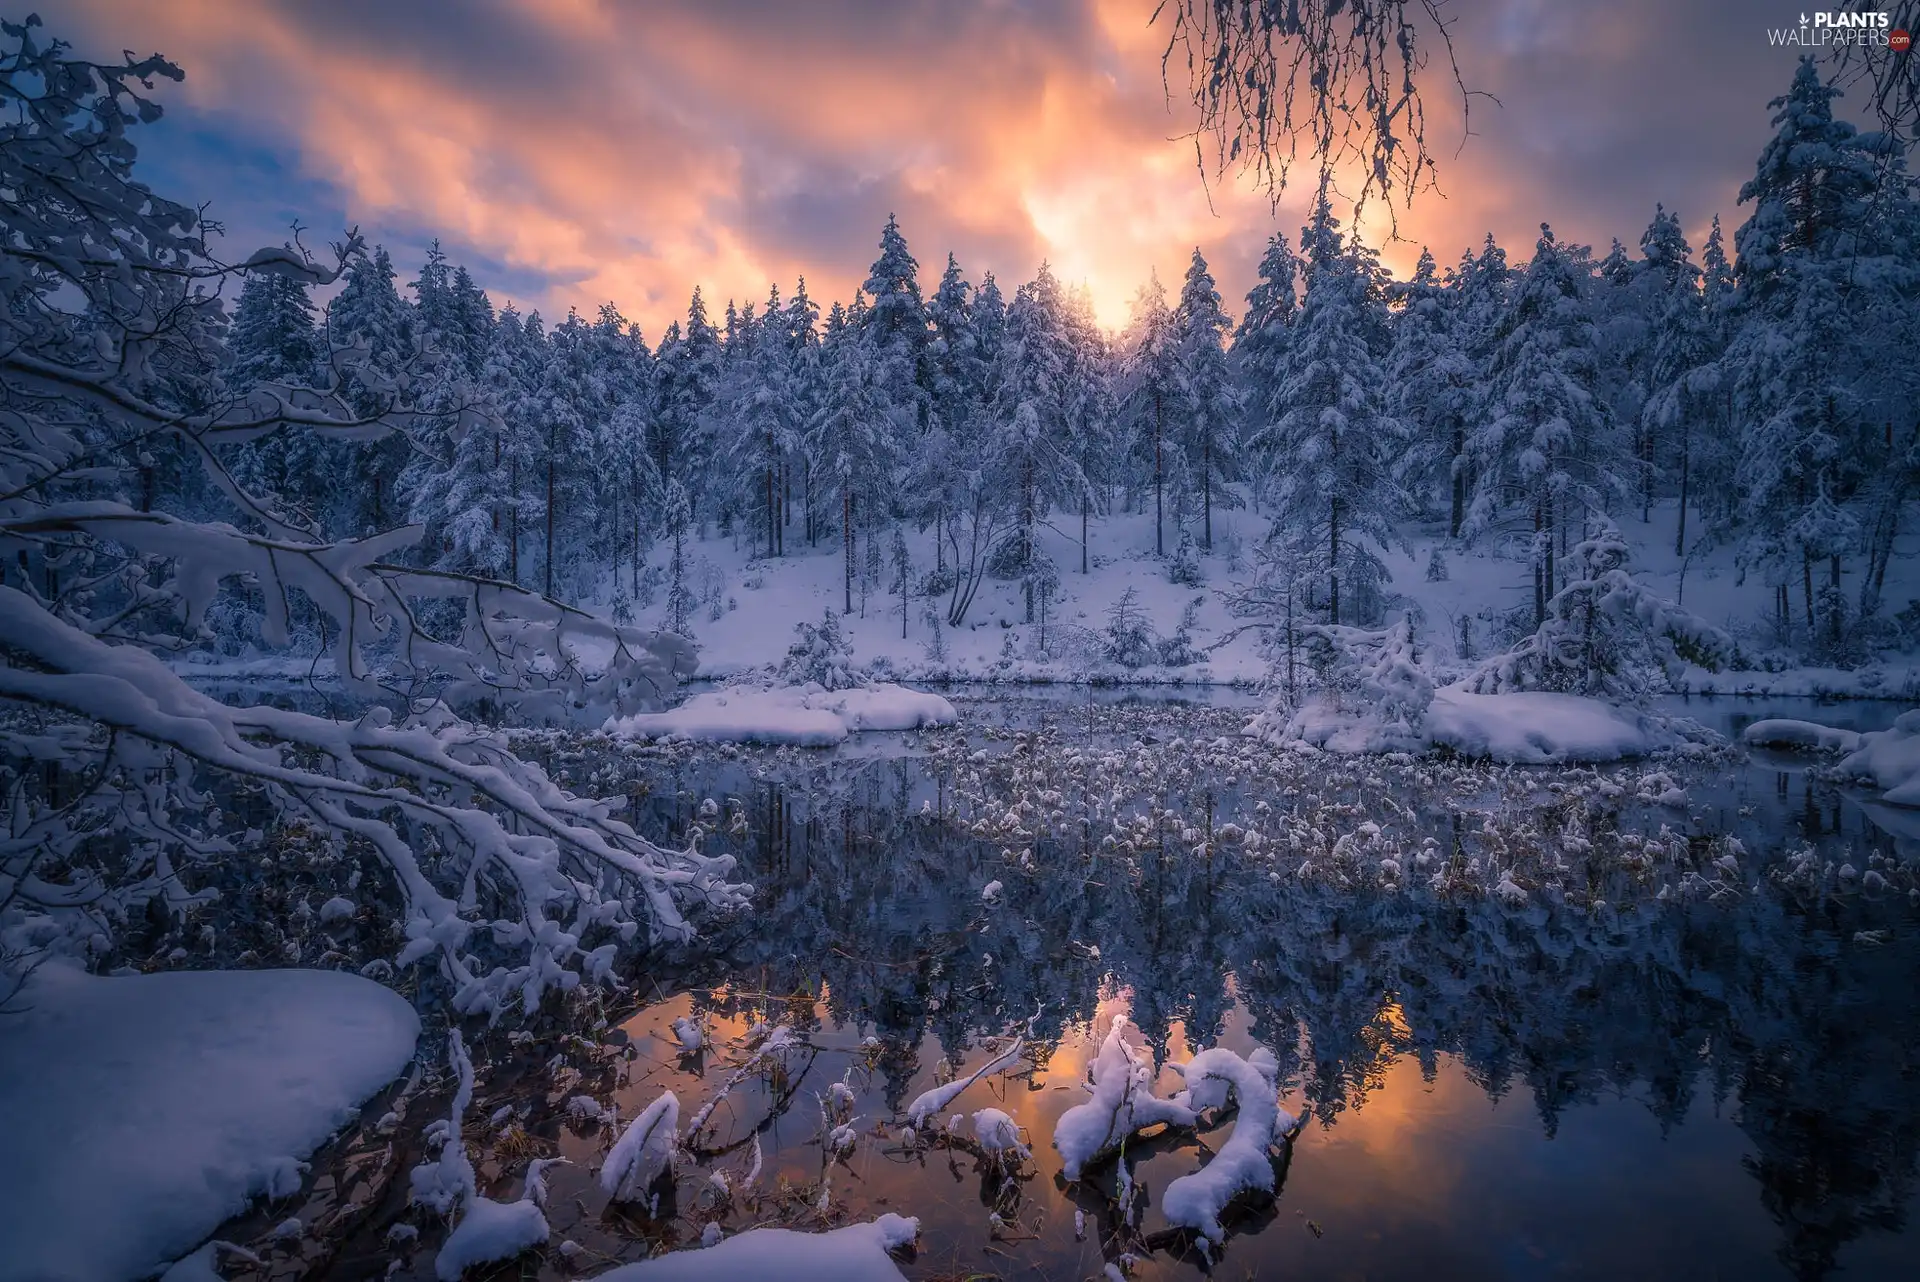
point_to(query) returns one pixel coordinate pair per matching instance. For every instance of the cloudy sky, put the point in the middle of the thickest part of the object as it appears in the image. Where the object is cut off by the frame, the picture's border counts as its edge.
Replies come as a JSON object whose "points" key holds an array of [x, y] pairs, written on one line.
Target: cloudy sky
{"points": [[574, 151]]}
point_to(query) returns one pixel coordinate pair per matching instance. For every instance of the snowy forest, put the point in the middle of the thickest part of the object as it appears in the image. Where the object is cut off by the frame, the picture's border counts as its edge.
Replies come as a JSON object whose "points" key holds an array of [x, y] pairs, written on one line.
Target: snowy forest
{"points": [[1751, 386], [465, 816]]}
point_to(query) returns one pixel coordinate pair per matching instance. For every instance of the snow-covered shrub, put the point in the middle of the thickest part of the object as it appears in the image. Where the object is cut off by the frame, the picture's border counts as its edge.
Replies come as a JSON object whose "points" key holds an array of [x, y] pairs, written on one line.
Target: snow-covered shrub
{"points": [[1375, 681], [108, 588], [1178, 651], [936, 582], [1184, 567], [1436, 566], [652, 579], [821, 654], [1129, 637], [1007, 658], [713, 590], [936, 644], [1009, 557], [1605, 634]]}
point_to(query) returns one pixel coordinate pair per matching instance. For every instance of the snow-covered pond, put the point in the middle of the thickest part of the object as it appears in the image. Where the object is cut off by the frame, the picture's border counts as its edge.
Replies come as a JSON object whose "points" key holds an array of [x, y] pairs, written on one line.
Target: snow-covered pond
{"points": [[1516, 1008]]}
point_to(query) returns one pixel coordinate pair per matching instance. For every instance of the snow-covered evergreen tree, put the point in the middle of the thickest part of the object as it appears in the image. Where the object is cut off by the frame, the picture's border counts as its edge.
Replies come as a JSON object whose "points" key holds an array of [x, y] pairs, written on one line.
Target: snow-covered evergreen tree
{"points": [[1335, 444], [1150, 386], [895, 329], [1547, 453], [1028, 443], [1433, 387], [1260, 346], [851, 439], [1209, 402], [1818, 282], [820, 655], [274, 339], [677, 519], [1684, 398], [1090, 413], [369, 319], [1604, 634], [686, 380]]}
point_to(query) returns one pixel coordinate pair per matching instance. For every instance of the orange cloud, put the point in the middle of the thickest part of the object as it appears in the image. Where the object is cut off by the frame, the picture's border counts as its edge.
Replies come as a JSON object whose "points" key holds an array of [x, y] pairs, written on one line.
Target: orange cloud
{"points": [[631, 151]]}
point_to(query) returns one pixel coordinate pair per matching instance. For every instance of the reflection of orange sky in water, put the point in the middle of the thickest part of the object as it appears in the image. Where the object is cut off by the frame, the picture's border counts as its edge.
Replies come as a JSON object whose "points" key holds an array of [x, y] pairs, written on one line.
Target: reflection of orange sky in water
{"points": [[1396, 1111], [1409, 1171]]}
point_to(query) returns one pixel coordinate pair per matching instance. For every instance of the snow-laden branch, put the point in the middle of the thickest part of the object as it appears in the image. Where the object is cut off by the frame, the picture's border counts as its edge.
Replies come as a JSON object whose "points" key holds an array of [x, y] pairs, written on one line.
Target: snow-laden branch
{"points": [[569, 865], [119, 779]]}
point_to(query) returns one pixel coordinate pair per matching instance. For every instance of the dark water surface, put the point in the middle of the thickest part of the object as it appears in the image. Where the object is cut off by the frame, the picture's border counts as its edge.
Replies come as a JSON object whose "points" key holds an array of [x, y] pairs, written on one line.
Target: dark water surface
{"points": [[1652, 1064]]}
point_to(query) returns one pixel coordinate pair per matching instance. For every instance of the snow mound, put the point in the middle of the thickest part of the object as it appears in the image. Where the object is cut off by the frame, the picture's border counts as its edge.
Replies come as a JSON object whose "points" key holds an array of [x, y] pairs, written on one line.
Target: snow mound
{"points": [[644, 1151], [808, 715], [490, 1231], [1532, 727], [1542, 728], [1890, 760], [142, 1111], [1781, 732], [856, 1253]]}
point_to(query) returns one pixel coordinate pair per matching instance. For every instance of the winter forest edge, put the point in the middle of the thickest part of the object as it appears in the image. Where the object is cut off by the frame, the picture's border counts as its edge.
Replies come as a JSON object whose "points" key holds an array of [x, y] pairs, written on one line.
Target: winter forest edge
{"points": [[1398, 509]]}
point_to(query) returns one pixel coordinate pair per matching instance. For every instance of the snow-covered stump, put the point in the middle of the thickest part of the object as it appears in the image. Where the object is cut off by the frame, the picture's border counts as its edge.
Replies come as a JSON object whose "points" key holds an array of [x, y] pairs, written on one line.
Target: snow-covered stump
{"points": [[643, 1154], [486, 1231], [1122, 1104], [1244, 1164]]}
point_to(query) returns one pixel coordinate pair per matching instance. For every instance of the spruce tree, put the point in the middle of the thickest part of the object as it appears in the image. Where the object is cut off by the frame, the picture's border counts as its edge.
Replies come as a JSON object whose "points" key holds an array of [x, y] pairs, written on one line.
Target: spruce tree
{"points": [[1432, 388], [1335, 441], [1546, 451], [1209, 402], [1150, 372], [371, 329], [273, 339], [1808, 275]]}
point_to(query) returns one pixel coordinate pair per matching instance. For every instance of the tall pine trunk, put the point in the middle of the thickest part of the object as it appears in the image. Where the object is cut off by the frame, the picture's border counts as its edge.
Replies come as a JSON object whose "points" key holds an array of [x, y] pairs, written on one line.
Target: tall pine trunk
{"points": [[1026, 531], [1459, 470], [1539, 583], [513, 523], [1686, 476], [1159, 482], [846, 532], [1206, 489], [1333, 561], [552, 446]]}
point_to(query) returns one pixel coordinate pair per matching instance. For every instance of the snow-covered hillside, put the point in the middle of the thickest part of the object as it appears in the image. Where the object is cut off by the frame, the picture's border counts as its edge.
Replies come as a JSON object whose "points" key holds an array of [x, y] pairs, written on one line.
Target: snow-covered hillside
{"points": [[1459, 619]]}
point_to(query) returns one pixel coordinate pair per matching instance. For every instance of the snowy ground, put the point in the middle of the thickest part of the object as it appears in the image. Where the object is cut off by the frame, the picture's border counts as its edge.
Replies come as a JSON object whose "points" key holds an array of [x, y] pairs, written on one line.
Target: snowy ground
{"points": [[759, 601], [141, 1111], [1531, 728], [855, 1253]]}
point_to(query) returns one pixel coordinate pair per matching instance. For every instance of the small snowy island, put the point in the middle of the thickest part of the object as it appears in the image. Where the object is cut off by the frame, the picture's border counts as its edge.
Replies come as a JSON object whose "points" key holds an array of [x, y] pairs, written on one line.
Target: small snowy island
{"points": [[819, 700]]}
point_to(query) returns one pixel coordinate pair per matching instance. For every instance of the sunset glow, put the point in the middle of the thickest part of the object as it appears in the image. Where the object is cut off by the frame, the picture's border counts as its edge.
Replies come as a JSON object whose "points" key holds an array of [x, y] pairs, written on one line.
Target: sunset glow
{"points": [[576, 152]]}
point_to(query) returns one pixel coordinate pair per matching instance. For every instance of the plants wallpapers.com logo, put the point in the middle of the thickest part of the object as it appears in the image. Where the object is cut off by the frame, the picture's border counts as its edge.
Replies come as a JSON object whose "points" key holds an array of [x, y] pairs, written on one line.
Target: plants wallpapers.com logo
{"points": [[1833, 30]]}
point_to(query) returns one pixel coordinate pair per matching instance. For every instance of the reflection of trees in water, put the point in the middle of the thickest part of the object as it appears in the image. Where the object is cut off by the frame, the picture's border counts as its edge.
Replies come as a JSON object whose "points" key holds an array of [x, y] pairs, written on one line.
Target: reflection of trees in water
{"points": [[1768, 1003]]}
